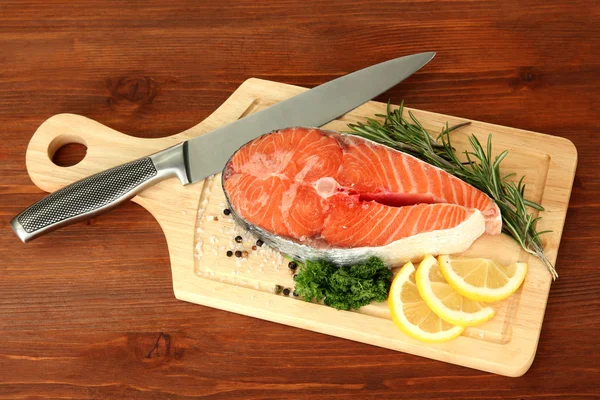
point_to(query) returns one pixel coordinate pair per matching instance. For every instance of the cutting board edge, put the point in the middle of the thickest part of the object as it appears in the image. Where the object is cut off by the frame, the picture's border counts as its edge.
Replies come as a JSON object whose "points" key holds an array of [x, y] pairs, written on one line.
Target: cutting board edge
{"points": [[245, 92], [254, 83], [525, 347], [514, 364]]}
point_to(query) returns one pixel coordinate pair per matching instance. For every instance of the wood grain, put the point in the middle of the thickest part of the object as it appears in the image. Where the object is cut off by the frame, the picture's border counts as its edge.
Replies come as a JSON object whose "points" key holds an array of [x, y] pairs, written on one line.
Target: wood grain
{"points": [[191, 218], [90, 312]]}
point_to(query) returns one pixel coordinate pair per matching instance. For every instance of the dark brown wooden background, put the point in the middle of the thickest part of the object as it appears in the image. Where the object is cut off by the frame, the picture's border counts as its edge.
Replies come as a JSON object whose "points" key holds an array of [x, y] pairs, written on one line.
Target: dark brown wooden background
{"points": [[88, 312]]}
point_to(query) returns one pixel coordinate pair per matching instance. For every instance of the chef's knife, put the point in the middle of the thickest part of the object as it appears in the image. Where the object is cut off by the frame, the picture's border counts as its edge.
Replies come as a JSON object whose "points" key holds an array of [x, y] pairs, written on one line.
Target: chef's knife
{"points": [[205, 155]]}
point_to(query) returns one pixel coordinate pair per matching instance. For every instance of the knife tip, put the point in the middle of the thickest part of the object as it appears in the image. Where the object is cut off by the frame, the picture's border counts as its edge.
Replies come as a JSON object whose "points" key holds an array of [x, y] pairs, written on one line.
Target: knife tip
{"points": [[430, 54]]}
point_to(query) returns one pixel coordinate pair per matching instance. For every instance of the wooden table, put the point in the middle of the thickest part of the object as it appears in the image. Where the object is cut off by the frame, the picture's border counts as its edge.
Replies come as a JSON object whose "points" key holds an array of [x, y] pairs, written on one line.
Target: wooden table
{"points": [[88, 312]]}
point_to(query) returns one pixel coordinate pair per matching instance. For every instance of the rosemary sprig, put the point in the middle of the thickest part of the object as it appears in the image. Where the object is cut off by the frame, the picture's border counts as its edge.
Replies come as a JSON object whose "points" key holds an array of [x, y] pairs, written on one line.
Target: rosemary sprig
{"points": [[480, 170]]}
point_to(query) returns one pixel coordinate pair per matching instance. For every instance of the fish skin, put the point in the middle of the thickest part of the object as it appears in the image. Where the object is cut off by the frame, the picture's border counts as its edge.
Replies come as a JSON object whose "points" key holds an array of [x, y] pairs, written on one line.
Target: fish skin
{"points": [[454, 239]]}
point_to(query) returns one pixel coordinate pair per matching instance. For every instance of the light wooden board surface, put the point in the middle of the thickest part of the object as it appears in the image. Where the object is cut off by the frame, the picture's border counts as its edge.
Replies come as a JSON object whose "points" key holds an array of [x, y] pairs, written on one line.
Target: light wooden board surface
{"points": [[197, 242]]}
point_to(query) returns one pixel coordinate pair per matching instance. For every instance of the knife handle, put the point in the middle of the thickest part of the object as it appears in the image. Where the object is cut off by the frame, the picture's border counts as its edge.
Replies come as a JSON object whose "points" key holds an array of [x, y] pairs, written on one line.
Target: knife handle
{"points": [[99, 193]]}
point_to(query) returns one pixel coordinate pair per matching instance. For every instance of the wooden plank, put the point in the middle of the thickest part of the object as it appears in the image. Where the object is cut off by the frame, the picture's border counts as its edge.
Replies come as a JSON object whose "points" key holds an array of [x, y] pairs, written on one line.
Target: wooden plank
{"points": [[506, 345]]}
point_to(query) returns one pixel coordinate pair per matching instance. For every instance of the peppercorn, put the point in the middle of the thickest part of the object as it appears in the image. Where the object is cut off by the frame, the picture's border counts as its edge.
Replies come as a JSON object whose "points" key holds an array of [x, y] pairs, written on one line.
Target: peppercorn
{"points": [[295, 294], [253, 247], [286, 291], [227, 211], [238, 253], [244, 253], [292, 265], [229, 253], [259, 243], [238, 239], [278, 289], [294, 277], [215, 218]]}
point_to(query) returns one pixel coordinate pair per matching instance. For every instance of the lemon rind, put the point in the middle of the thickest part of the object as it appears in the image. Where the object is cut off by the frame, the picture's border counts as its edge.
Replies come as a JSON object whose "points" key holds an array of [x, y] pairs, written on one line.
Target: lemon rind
{"points": [[486, 295], [454, 317], [406, 326]]}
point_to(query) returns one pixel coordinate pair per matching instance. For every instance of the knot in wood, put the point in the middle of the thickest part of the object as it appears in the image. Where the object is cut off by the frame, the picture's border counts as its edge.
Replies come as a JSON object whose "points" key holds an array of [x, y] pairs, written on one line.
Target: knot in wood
{"points": [[130, 93], [153, 348], [527, 77]]}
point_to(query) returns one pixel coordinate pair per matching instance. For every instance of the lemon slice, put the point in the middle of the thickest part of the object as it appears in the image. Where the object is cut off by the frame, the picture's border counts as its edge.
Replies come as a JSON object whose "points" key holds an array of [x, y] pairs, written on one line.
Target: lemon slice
{"points": [[481, 279], [446, 302], [411, 314]]}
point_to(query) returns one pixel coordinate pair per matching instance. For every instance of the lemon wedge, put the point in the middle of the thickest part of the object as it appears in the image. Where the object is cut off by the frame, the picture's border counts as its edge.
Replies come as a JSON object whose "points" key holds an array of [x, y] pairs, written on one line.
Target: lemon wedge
{"points": [[481, 279], [411, 314], [443, 300]]}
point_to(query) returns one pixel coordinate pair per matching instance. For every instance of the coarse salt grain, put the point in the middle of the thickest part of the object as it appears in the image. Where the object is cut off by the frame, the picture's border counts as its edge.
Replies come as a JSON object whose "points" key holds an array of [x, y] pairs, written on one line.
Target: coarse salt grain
{"points": [[198, 249]]}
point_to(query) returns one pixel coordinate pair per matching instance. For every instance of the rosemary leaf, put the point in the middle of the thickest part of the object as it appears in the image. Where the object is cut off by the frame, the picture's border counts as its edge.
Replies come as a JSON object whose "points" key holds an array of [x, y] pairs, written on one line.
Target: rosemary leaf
{"points": [[479, 170]]}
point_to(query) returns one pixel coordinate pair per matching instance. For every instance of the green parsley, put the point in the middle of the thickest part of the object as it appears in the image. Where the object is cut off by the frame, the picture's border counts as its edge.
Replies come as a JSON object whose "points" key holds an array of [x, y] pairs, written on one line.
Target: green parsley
{"points": [[344, 287]]}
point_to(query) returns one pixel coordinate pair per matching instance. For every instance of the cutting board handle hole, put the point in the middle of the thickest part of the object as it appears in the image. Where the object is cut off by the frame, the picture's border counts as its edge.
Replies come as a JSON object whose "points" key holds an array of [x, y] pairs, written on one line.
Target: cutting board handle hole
{"points": [[67, 150]]}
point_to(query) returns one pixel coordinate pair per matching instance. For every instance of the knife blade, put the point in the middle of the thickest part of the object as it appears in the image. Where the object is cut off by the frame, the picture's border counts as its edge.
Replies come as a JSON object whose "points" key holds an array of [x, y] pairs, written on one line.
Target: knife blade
{"points": [[209, 153], [206, 155]]}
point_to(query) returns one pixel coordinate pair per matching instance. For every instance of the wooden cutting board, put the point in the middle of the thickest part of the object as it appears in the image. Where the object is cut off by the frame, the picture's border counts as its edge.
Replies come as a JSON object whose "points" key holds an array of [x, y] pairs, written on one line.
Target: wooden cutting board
{"points": [[198, 234]]}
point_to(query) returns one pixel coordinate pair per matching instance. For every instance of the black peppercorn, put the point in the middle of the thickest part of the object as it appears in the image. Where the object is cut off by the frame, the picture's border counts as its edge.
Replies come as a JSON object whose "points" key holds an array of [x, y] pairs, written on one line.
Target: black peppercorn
{"points": [[278, 289], [259, 243], [286, 291], [238, 239], [295, 294], [238, 253], [229, 253], [227, 211], [292, 265]]}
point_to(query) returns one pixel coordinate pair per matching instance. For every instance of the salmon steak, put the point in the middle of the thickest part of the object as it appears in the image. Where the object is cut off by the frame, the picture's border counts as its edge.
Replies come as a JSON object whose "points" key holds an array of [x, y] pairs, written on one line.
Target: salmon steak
{"points": [[315, 194]]}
